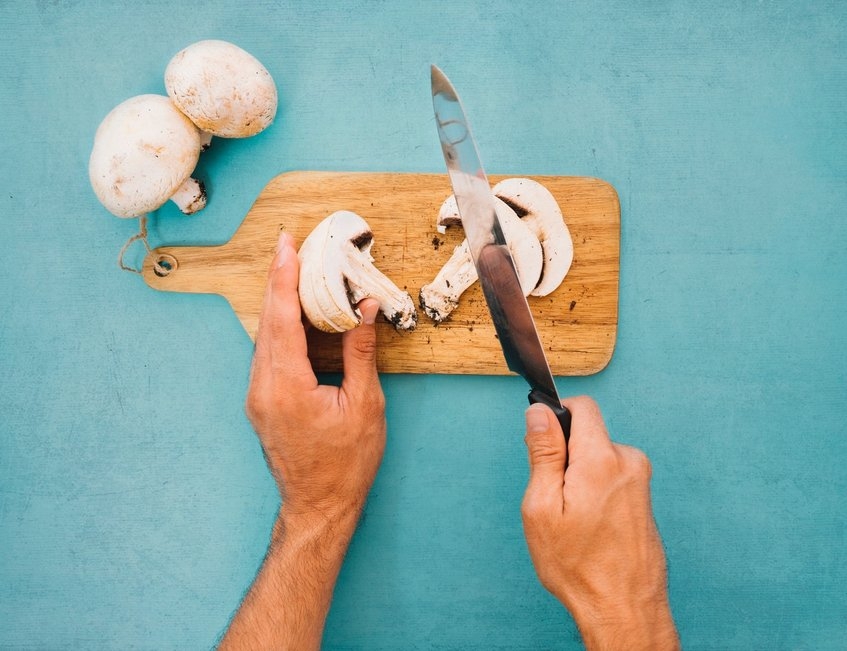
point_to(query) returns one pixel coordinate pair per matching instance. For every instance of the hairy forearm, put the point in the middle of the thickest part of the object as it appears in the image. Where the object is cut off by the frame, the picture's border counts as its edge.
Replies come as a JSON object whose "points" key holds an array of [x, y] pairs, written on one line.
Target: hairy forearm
{"points": [[288, 602]]}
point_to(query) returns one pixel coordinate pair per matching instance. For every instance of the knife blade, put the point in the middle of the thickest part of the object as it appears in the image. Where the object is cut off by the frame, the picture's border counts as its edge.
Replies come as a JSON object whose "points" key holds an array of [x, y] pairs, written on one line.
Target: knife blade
{"points": [[489, 248]]}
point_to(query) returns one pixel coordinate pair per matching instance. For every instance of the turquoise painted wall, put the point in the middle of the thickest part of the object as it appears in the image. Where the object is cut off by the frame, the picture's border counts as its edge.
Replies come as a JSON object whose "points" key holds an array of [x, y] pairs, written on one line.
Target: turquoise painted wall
{"points": [[135, 505]]}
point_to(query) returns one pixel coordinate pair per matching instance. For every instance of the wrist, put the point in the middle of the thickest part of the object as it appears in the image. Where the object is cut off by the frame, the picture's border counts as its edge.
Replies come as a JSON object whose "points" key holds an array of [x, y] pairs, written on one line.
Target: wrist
{"points": [[647, 626], [324, 522]]}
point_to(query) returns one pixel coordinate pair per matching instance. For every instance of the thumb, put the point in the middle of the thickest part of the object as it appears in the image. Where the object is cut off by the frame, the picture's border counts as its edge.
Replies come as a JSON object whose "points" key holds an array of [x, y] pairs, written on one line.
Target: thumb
{"points": [[358, 349], [547, 451]]}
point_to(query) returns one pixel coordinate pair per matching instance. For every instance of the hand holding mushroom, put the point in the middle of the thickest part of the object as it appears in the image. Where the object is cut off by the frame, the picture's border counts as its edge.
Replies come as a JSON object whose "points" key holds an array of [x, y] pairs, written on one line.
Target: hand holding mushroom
{"points": [[323, 445]]}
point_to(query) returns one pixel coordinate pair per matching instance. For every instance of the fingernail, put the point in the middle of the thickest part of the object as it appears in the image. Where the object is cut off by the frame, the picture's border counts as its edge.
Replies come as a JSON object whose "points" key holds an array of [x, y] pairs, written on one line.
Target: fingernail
{"points": [[536, 419], [369, 315]]}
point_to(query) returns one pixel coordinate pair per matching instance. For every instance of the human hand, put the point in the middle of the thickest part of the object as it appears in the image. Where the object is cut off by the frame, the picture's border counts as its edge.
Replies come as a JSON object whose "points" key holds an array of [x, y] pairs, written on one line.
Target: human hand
{"points": [[323, 443], [591, 533]]}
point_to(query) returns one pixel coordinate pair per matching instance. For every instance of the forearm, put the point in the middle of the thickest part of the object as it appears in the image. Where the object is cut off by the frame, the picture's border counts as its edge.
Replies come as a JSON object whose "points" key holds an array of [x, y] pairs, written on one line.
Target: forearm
{"points": [[287, 605]]}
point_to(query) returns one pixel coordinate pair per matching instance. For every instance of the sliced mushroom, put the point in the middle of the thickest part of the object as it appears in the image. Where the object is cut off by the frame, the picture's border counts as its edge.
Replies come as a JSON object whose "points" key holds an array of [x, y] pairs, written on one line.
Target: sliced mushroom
{"points": [[223, 89], [440, 297], [537, 208], [144, 153], [337, 271]]}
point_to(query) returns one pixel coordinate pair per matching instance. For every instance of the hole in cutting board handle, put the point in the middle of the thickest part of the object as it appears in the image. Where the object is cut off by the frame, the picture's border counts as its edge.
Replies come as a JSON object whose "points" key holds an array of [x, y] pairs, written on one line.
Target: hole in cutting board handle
{"points": [[164, 264]]}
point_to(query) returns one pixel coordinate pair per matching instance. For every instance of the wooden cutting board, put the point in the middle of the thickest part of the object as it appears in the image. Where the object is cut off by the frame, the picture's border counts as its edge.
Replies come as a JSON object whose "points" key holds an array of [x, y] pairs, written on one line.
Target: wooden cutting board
{"points": [[577, 323]]}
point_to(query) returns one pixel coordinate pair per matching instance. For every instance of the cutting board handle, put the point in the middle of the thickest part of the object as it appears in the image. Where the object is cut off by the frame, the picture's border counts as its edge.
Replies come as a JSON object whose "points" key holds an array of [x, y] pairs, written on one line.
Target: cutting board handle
{"points": [[197, 269]]}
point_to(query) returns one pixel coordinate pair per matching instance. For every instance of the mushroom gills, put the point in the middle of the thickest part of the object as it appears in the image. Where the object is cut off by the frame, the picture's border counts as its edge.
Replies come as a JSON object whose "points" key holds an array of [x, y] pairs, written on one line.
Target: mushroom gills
{"points": [[440, 297], [337, 271], [538, 209]]}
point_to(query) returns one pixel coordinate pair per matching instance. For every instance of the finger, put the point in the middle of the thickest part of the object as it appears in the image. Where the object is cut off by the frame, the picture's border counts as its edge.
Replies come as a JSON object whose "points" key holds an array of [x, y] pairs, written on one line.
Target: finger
{"points": [[262, 348], [547, 454], [281, 338], [588, 430], [358, 349]]}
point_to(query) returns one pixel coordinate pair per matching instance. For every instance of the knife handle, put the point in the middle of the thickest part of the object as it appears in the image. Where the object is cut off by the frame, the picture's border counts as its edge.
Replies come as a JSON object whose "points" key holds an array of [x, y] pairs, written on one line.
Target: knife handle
{"points": [[562, 413]]}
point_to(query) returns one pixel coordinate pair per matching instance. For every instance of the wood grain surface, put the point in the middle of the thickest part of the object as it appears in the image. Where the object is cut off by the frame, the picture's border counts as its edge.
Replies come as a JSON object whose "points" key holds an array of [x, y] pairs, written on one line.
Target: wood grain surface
{"points": [[577, 323]]}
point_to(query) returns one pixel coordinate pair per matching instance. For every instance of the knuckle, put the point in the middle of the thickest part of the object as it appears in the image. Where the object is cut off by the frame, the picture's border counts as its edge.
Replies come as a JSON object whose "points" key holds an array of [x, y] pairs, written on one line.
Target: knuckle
{"points": [[534, 507], [365, 347], [530, 508], [584, 404], [608, 459], [542, 449], [641, 465], [251, 407], [635, 464], [586, 413], [255, 406]]}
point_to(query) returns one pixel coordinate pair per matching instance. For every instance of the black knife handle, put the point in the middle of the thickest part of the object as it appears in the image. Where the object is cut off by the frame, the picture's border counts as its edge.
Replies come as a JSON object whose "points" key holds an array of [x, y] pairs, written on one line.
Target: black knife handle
{"points": [[562, 413]]}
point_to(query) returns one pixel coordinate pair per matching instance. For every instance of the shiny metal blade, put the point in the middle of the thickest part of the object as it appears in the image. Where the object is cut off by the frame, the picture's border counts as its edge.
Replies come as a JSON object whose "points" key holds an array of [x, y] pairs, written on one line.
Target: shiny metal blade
{"points": [[509, 309]]}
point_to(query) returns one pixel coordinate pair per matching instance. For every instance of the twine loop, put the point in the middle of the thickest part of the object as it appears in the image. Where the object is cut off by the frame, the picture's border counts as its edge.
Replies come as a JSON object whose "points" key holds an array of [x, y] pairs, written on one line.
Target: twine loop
{"points": [[160, 267]]}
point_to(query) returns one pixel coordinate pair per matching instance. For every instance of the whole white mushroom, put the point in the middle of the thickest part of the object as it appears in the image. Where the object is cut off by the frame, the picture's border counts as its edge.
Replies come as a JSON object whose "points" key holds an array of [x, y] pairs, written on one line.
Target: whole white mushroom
{"points": [[223, 89], [144, 153]]}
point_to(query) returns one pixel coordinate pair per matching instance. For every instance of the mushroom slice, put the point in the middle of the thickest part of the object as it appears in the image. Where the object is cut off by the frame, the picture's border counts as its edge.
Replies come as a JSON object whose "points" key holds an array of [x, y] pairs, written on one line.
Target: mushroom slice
{"points": [[440, 297], [144, 153], [448, 214], [337, 271], [224, 90], [537, 208]]}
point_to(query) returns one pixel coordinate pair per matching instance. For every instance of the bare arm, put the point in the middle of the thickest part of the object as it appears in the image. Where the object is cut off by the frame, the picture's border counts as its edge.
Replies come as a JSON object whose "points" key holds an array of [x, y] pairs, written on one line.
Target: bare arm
{"points": [[591, 532], [323, 445]]}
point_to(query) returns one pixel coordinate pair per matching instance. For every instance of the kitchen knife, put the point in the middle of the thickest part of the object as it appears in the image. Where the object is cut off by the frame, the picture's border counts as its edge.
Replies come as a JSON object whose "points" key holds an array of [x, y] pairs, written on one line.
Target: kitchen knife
{"points": [[489, 248]]}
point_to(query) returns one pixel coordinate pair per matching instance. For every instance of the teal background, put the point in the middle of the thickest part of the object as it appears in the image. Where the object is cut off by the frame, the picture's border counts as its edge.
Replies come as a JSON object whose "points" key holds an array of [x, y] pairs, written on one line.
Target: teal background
{"points": [[135, 505]]}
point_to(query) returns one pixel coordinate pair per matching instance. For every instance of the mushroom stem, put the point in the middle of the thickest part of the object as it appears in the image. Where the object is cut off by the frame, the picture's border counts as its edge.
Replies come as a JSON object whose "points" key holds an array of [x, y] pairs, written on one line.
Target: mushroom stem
{"points": [[366, 281], [440, 297], [205, 140], [190, 196]]}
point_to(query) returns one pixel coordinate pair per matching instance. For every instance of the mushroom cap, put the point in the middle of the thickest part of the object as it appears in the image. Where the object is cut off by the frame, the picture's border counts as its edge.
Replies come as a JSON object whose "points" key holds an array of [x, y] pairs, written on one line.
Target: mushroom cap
{"points": [[144, 149], [539, 209], [222, 88]]}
